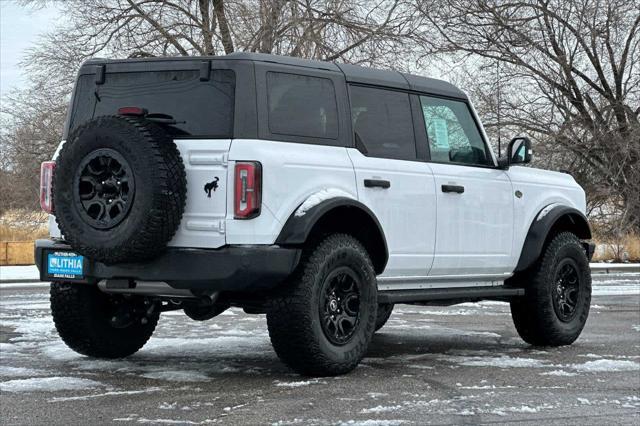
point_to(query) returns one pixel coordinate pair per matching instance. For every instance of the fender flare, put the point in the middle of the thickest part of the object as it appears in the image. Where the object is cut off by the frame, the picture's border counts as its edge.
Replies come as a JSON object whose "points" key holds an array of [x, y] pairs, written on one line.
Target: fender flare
{"points": [[543, 223], [298, 228]]}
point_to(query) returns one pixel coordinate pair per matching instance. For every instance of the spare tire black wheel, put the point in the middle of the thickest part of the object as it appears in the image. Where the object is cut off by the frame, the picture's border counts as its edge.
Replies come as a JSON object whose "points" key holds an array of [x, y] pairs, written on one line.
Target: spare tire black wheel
{"points": [[119, 189]]}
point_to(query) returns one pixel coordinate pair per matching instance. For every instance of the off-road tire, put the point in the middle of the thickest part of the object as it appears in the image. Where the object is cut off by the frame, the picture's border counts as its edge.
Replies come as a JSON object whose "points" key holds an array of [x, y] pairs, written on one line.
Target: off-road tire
{"points": [[157, 202], [384, 312], [534, 315], [81, 316], [294, 318]]}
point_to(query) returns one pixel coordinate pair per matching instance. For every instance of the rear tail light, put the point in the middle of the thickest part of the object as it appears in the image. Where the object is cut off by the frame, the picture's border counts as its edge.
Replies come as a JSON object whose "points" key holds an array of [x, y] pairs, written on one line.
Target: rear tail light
{"points": [[46, 185], [248, 189]]}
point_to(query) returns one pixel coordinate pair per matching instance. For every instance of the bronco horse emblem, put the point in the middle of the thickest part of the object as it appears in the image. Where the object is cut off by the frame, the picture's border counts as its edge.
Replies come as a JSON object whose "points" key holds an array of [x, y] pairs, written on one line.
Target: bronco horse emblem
{"points": [[213, 185]]}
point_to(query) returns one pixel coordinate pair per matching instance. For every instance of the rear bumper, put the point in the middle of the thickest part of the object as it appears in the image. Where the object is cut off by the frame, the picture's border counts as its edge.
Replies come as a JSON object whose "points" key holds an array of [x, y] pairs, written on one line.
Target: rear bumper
{"points": [[231, 268]]}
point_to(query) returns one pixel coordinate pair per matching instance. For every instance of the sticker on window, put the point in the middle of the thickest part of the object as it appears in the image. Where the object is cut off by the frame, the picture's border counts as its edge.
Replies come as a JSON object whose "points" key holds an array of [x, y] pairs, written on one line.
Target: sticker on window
{"points": [[441, 133]]}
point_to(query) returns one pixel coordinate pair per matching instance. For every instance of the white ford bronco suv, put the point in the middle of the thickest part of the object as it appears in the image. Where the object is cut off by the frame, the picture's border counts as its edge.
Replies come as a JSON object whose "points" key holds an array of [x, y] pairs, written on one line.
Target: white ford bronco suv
{"points": [[320, 194]]}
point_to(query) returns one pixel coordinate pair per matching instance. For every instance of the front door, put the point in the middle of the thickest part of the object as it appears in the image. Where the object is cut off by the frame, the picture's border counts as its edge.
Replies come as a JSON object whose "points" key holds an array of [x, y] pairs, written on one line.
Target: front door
{"points": [[474, 234]]}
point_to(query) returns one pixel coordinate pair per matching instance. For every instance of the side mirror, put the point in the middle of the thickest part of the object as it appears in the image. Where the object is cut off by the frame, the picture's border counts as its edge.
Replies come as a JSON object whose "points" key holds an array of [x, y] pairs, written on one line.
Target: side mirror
{"points": [[518, 152]]}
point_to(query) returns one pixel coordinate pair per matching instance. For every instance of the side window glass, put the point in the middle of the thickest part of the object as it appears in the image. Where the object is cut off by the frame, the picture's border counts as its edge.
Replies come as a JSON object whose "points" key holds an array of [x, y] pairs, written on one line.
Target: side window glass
{"points": [[382, 123], [301, 105], [452, 132]]}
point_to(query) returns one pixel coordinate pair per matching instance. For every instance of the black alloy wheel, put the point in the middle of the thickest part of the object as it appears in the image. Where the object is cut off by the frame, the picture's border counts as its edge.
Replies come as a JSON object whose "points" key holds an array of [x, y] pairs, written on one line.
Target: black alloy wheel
{"points": [[105, 188], [567, 290], [340, 305]]}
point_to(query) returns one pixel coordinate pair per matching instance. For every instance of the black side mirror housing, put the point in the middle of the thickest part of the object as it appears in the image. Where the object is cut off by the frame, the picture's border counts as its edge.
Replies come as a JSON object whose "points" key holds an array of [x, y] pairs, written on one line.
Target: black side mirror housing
{"points": [[518, 152]]}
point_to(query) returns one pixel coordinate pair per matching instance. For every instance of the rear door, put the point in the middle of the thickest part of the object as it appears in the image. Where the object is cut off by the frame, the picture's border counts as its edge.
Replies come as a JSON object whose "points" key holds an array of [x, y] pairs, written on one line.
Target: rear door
{"points": [[195, 102], [392, 182], [474, 199]]}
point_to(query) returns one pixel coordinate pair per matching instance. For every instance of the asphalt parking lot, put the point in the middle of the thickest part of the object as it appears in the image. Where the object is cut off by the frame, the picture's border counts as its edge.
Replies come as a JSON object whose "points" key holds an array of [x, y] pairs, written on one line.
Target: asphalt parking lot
{"points": [[459, 365]]}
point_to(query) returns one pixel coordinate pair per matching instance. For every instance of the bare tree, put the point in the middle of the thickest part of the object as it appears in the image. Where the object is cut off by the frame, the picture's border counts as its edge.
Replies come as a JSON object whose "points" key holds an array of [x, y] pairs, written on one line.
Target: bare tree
{"points": [[31, 129], [358, 31], [569, 75]]}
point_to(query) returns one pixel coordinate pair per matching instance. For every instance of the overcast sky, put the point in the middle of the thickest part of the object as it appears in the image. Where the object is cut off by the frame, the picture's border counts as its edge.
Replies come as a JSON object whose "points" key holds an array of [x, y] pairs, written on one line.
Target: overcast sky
{"points": [[19, 29]]}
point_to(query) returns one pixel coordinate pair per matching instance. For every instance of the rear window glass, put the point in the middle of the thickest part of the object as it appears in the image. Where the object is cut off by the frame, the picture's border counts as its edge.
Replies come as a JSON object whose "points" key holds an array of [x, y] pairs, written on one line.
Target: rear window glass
{"points": [[199, 108], [382, 123], [301, 105]]}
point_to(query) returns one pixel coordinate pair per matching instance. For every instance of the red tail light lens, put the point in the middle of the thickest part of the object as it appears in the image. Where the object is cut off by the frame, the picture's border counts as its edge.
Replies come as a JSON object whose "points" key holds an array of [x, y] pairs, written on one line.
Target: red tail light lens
{"points": [[135, 111], [248, 189], [46, 185]]}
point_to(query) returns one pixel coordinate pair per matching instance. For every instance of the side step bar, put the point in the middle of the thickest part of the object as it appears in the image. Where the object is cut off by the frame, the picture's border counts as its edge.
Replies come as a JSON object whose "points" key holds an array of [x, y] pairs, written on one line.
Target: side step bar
{"points": [[459, 294]]}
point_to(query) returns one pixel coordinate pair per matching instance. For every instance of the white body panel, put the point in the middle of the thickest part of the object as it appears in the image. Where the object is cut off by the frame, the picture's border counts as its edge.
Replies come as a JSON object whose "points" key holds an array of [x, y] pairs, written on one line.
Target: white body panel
{"points": [[406, 210], [540, 188], [291, 173], [474, 229], [203, 220]]}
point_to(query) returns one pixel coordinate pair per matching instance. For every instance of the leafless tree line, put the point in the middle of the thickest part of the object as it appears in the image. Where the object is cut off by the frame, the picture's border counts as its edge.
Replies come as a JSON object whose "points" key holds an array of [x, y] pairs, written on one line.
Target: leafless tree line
{"points": [[564, 72], [568, 73]]}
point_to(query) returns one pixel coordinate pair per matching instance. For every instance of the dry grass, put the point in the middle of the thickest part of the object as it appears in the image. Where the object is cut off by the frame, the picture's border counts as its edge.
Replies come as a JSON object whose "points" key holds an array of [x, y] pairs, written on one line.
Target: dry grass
{"points": [[625, 249], [20, 225]]}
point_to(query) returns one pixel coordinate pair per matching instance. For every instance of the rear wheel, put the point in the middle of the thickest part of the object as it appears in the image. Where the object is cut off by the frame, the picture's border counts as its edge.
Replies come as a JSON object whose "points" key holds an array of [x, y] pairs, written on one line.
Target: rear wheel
{"points": [[384, 312], [322, 322], [555, 307], [99, 325]]}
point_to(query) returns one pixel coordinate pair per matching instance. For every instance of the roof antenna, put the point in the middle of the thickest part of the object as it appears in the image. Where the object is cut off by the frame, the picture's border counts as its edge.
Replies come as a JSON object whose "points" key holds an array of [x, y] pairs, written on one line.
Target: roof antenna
{"points": [[499, 101]]}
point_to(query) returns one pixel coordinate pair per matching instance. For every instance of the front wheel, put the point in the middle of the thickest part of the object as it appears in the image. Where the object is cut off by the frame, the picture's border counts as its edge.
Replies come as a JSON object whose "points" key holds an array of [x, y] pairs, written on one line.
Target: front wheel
{"points": [[322, 322], [555, 307], [99, 325]]}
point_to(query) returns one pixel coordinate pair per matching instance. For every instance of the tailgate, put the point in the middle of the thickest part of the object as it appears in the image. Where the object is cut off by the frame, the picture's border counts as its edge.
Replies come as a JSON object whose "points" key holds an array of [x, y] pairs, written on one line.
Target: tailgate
{"points": [[203, 221]]}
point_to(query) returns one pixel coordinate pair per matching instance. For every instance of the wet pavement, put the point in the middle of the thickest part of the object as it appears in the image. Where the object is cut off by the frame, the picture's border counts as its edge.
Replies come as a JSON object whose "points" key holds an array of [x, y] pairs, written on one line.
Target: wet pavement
{"points": [[463, 364]]}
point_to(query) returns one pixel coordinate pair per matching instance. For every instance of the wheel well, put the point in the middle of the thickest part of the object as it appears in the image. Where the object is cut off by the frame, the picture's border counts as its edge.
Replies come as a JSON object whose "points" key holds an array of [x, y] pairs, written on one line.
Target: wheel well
{"points": [[569, 222], [545, 228], [358, 223]]}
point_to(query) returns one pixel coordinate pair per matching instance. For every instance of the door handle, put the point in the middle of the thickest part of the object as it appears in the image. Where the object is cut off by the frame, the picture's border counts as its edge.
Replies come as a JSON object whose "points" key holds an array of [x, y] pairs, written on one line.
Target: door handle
{"points": [[458, 189], [379, 183]]}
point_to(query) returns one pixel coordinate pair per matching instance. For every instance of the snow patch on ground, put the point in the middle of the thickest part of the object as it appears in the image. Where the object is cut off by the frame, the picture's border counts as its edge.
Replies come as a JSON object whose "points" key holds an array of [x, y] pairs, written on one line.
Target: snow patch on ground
{"points": [[143, 420], [381, 409], [317, 198], [48, 384], [558, 373], [375, 395], [607, 365], [6, 371], [503, 361], [177, 376], [100, 395], [299, 383], [58, 351]]}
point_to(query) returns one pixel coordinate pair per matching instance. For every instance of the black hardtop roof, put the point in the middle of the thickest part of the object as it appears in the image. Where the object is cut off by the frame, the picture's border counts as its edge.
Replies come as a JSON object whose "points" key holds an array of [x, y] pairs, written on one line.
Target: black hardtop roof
{"points": [[352, 73]]}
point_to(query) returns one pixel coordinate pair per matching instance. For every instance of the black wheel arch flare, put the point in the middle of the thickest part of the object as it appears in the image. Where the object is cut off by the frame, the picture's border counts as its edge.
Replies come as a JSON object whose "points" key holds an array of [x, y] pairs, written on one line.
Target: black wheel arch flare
{"points": [[557, 219], [298, 228]]}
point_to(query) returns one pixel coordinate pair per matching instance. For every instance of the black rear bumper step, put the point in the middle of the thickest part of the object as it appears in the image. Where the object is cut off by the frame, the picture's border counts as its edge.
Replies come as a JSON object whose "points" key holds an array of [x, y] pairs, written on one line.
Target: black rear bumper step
{"points": [[229, 268], [460, 293]]}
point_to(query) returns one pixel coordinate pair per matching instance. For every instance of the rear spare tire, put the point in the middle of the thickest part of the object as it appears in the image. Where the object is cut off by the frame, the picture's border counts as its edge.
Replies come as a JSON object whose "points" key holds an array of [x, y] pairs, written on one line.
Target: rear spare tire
{"points": [[119, 189]]}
